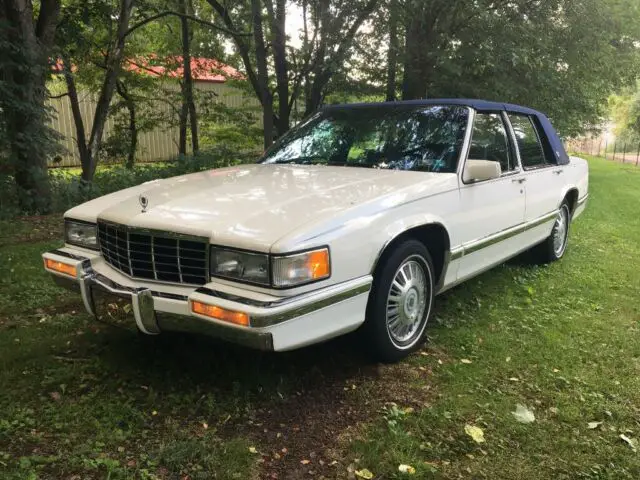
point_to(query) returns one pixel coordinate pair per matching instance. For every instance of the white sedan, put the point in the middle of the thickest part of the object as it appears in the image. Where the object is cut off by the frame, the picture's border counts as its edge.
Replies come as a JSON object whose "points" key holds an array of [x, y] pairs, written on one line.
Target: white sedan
{"points": [[356, 219]]}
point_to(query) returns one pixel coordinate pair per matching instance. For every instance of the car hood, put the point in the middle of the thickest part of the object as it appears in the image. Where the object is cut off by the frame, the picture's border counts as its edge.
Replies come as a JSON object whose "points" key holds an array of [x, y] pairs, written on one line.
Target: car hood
{"points": [[248, 206]]}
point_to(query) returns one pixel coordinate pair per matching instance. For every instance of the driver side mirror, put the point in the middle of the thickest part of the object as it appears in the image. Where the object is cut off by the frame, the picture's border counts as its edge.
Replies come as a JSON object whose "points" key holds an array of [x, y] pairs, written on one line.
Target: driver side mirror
{"points": [[480, 170]]}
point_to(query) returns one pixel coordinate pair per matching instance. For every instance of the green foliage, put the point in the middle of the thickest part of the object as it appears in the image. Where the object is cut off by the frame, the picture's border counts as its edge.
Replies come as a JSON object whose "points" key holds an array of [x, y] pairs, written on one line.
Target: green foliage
{"points": [[68, 190], [26, 141], [563, 57], [625, 113]]}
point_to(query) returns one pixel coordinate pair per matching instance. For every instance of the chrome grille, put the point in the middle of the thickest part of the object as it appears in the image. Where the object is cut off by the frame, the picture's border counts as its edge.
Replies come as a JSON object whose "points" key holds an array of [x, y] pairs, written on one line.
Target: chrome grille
{"points": [[154, 255]]}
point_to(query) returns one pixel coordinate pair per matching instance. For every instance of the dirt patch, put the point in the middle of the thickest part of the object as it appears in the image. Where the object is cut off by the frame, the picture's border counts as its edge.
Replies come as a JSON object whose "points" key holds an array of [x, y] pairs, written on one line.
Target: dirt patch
{"points": [[305, 434], [32, 229]]}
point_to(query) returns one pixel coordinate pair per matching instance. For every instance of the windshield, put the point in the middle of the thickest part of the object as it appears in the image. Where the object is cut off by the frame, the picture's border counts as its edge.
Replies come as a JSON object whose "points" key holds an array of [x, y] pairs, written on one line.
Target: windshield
{"points": [[425, 139]]}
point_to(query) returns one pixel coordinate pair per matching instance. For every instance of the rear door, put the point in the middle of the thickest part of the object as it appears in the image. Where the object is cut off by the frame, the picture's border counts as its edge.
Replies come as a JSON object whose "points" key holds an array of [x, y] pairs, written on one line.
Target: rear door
{"points": [[543, 176]]}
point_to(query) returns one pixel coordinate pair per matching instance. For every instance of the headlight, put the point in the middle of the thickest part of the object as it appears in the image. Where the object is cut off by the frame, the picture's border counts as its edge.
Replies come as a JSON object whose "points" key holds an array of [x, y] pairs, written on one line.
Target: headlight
{"points": [[301, 268], [242, 266], [82, 234]]}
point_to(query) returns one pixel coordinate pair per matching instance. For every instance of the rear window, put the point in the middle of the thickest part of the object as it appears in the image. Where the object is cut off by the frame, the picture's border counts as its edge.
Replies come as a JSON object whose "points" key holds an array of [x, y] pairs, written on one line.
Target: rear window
{"points": [[533, 144]]}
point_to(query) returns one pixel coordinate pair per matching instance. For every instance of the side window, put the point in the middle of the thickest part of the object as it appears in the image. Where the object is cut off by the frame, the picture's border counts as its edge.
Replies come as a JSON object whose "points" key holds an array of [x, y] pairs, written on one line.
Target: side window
{"points": [[489, 141], [528, 140]]}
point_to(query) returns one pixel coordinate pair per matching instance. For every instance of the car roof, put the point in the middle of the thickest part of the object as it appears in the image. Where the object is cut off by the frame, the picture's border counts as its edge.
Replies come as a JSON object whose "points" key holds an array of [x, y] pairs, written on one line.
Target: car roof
{"points": [[467, 102]]}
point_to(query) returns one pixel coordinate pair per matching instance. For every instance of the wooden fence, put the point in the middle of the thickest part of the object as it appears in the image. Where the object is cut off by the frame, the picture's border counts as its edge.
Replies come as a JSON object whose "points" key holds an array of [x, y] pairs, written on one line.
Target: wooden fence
{"points": [[157, 145]]}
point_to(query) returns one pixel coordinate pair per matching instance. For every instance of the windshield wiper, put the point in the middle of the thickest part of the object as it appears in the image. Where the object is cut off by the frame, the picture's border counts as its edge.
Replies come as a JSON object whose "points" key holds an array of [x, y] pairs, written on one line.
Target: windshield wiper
{"points": [[303, 161]]}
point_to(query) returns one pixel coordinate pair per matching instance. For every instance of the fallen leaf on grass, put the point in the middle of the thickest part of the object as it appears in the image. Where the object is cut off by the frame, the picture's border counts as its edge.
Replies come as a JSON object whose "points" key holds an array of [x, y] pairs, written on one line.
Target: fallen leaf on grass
{"points": [[629, 441], [466, 361], [364, 473], [406, 469], [55, 396], [523, 414], [253, 450], [475, 433], [305, 462], [594, 425]]}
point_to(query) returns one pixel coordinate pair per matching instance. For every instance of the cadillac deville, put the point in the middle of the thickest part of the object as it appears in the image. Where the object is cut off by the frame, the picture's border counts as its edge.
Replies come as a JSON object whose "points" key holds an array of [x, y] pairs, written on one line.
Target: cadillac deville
{"points": [[356, 219]]}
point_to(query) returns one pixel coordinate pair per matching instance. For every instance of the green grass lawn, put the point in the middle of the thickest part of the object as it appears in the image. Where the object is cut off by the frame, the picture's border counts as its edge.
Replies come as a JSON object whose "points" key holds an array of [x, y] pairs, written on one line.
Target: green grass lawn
{"points": [[81, 400]]}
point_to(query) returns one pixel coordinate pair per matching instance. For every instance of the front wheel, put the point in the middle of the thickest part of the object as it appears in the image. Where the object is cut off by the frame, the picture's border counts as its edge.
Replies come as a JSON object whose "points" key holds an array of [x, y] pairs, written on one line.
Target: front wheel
{"points": [[400, 302]]}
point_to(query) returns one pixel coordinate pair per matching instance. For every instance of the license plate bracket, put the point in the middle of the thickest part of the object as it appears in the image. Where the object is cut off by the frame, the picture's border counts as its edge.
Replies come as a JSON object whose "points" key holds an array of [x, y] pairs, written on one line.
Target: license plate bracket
{"points": [[112, 309]]}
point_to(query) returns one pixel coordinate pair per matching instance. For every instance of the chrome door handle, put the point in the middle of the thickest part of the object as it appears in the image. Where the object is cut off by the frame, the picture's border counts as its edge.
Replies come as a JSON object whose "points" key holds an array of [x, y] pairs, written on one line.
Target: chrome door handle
{"points": [[519, 180]]}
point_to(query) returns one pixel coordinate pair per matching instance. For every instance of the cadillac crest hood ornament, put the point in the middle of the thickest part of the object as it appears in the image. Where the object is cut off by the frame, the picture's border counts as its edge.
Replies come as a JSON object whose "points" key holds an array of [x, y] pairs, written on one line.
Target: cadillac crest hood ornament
{"points": [[144, 202]]}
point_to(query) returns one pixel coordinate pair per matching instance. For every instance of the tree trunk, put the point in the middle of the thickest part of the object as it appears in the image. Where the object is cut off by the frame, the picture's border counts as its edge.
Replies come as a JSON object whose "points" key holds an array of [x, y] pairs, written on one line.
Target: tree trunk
{"points": [[392, 54], [182, 128], [114, 62], [29, 137], [133, 127], [187, 81], [417, 61], [278, 42], [243, 47], [313, 91], [81, 137], [262, 77]]}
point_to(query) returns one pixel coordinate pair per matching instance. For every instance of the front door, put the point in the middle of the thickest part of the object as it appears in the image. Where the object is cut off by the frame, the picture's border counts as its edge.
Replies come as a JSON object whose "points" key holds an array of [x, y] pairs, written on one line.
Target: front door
{"points": [[490, 209]]}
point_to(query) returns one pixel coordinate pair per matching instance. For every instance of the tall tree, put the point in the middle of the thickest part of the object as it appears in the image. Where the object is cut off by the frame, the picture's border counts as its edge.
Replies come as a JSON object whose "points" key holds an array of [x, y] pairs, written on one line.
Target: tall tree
{"points": [[392, 51], [110, 63], [25, 46], [334, 26], [188, 103], [266, 98], [281, 67], [337, 31], [130, 105]]}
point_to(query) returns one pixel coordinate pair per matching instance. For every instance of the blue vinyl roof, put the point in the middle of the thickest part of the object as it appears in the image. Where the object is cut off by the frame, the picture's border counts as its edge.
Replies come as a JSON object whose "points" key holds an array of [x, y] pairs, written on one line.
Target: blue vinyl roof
{"points": [[480, 105], [467, 102]]}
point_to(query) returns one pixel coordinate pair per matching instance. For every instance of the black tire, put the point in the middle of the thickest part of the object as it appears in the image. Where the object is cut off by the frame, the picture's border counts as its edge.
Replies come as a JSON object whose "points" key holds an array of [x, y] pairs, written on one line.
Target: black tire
{"points": [[552, 250], [413, 303]]}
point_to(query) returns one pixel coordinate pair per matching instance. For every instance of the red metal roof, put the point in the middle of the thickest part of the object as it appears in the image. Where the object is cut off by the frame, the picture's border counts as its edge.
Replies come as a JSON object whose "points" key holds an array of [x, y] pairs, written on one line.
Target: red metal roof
{"points": [[202, 69]]}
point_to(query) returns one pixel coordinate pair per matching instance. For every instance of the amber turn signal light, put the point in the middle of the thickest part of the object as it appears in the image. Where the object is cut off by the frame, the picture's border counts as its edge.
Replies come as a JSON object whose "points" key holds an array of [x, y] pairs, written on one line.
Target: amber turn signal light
{"points": [[318, 263], [219, 313], [60, 267]]}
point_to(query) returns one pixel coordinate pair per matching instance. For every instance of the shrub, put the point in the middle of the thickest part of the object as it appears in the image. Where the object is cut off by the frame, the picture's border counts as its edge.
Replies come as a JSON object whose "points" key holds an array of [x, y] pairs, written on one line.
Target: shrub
{"points": [[67, 189]]}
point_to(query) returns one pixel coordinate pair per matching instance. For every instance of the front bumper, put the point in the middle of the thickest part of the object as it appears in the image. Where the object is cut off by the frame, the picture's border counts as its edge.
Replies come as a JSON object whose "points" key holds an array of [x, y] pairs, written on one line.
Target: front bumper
{"points": [[275, 324]]}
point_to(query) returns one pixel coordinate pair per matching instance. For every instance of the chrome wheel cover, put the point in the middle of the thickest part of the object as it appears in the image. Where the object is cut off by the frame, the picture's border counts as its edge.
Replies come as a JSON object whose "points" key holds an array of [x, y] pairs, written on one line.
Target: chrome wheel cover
{"points": [[560, 231], [408, 301]]}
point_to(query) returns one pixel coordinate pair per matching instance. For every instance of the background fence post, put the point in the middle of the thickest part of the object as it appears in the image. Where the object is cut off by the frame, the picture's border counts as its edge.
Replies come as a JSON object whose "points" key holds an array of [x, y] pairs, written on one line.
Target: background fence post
{"points": [[615, 144], [599, 146], [638, 154], [624, 152], [606, 146]]}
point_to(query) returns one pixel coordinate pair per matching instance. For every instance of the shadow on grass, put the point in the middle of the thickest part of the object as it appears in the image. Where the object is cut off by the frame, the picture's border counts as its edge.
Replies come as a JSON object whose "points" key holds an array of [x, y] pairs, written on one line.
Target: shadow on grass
{"points": [[172, 359], [298, 402]]}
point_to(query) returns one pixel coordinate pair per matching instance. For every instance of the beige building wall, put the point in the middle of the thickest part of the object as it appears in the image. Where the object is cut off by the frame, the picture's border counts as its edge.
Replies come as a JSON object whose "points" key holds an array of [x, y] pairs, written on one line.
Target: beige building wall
{"points": [[158, 145]]}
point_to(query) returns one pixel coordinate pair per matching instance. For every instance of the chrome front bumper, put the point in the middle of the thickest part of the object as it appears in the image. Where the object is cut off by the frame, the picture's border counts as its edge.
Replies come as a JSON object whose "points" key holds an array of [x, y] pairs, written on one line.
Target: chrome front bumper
{"points": [[152, 319]]}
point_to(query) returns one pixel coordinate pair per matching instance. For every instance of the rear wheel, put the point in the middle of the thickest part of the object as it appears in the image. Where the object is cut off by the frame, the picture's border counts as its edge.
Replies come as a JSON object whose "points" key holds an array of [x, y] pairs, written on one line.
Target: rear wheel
{"points": [[554, 247], [400, 302]]}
